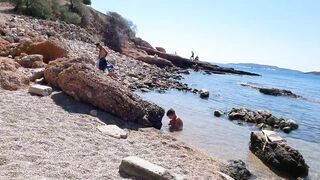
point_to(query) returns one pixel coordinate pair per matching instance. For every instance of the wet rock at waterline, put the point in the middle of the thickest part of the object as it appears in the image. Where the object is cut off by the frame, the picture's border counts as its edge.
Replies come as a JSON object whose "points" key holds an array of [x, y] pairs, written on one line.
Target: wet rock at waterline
{"points": [[272, 91], [218, 113], [263, 119], [204, 94], [236, 169], [278, 155]]}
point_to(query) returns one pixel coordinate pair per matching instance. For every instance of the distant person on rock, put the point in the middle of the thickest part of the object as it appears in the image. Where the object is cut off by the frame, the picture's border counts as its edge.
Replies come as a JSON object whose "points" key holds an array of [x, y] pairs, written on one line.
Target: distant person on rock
{"points": [[197, 58], [192, 55], [175, 123], [103, 63]]}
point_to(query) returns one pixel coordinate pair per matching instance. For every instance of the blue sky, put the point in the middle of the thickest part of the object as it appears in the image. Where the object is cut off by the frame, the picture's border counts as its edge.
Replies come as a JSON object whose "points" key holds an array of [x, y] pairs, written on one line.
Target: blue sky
{"points": [[284, 33]]}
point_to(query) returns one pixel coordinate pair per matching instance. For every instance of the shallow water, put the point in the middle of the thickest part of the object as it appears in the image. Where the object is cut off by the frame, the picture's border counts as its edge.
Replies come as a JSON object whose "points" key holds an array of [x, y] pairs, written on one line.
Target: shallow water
{"points": [[226, 140]]}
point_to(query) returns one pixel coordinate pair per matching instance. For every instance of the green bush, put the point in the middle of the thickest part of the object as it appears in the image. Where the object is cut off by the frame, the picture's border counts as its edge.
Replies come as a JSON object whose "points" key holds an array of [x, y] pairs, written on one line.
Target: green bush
{"points": [[69, 16], [40, 9]]}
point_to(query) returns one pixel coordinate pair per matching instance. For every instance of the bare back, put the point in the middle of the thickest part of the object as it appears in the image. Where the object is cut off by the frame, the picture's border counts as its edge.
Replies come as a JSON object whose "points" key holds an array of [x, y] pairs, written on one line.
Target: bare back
{"points": [[103, 53]]}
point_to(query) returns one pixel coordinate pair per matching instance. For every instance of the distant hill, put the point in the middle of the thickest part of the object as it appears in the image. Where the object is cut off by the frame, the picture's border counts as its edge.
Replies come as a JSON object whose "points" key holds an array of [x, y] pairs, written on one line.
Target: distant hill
{"points": [[253, 65], [314, 73]]}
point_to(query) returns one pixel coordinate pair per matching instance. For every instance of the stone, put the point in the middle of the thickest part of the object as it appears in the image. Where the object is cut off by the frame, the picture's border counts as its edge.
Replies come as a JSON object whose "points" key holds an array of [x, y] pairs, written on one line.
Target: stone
{"points": [[224, 176], [161, 49], [218, 113], [113, 131], [144, 90], [278, 155], [236, 169], [286, 129], [40, 90], [278, 92], [204, 94], [140, 168], [35, 74], [29, 60], [94, 113], [11, 76]]}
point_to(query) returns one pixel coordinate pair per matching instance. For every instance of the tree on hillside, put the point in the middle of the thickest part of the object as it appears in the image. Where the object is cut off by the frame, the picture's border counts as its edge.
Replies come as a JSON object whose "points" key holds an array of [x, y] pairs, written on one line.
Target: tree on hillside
{"points": [[118, 31]]}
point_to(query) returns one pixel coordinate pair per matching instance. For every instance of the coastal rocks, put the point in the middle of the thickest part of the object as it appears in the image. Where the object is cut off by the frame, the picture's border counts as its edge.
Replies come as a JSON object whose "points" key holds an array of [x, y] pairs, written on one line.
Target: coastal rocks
{"points": [[263, 119], [50, 49], [160, 62], [31, 61], [140, 168], [161, 49], [85, 83], [204, 94], [236, 169], [218, 113], [278, 92], [272, 91], [280, 156], [11, 77]]}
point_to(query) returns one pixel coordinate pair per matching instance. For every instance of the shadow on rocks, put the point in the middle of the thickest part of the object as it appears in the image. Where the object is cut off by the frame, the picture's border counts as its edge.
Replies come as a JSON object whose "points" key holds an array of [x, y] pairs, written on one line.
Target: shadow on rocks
{"points": [[71, 105]]}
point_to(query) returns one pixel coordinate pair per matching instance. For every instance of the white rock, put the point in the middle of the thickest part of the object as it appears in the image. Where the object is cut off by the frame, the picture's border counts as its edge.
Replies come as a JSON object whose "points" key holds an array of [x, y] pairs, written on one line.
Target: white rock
{"points": [[40, 90], [113, 131], [137, 167]]}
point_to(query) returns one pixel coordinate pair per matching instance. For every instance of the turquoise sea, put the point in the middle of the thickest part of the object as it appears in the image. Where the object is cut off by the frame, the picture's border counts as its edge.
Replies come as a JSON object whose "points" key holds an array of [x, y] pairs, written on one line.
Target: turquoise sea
{"points": [[227, 140]]}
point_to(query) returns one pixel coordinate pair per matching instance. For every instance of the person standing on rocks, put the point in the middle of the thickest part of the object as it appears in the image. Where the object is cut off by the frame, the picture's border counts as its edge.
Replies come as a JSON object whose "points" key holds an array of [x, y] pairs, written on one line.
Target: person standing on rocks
{"points": [[175, 123], [192, 55], [103, 63]]}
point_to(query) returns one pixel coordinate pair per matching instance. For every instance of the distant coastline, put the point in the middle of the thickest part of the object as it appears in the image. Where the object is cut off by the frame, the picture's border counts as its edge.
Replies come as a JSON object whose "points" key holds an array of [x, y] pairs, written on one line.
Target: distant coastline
{"points": [[314, 73]]}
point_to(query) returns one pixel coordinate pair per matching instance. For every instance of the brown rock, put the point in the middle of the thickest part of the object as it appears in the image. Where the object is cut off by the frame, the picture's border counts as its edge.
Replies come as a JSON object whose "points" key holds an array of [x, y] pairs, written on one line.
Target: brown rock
{"points": [[30, 61], [161, 49], [11, 78], [4, 51], [81, 80], [50, 49], [54, 68]]}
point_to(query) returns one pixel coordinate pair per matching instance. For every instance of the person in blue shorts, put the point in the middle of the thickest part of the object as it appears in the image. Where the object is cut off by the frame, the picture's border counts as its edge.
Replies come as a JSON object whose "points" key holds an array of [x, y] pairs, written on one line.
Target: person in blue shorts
{"points": [[103, 63]]}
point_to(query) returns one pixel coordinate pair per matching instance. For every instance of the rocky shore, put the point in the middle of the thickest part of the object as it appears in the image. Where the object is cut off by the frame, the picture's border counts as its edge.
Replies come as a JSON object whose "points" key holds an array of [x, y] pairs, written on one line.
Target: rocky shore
{"points": [[57, 137]]}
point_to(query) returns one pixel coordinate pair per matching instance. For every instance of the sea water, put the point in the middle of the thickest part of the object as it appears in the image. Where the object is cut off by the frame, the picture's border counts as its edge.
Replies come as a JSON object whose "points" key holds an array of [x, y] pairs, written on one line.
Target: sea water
{"points": [[227, 140]]}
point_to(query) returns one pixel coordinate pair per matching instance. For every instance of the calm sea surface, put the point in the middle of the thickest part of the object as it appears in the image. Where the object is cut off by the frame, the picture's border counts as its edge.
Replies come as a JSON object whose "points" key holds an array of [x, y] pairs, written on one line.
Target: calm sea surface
{"points": [[226, 140]]}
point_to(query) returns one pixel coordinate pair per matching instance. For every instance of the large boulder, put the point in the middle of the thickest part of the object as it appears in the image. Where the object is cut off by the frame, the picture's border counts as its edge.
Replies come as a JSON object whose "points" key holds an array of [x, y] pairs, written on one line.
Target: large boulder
{"points": [[278, 155], [85, 83], [11, 78], [50, 49], [54, 68], [161, 49]]}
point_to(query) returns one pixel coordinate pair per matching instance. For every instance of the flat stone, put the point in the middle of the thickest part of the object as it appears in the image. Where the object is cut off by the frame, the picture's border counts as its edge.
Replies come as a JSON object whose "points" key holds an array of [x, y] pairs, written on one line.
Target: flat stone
{"points": [[113, 131], [40, 90], [273, 136], [140, 168], [225, 176]]}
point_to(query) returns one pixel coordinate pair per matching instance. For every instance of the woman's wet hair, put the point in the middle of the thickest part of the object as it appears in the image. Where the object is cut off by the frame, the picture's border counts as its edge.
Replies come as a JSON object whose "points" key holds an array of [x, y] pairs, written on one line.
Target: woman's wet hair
{"points": [[170, 112]]}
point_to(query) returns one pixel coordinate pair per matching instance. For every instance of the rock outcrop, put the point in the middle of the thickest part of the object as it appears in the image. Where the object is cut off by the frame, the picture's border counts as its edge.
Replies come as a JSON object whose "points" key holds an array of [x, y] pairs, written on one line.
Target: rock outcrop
{"points": [[272, 91], [85, 83], [279, 156], [263, 119], [50, 49], [11, 78], [187, 63], [237, 170], [161, 49]]}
